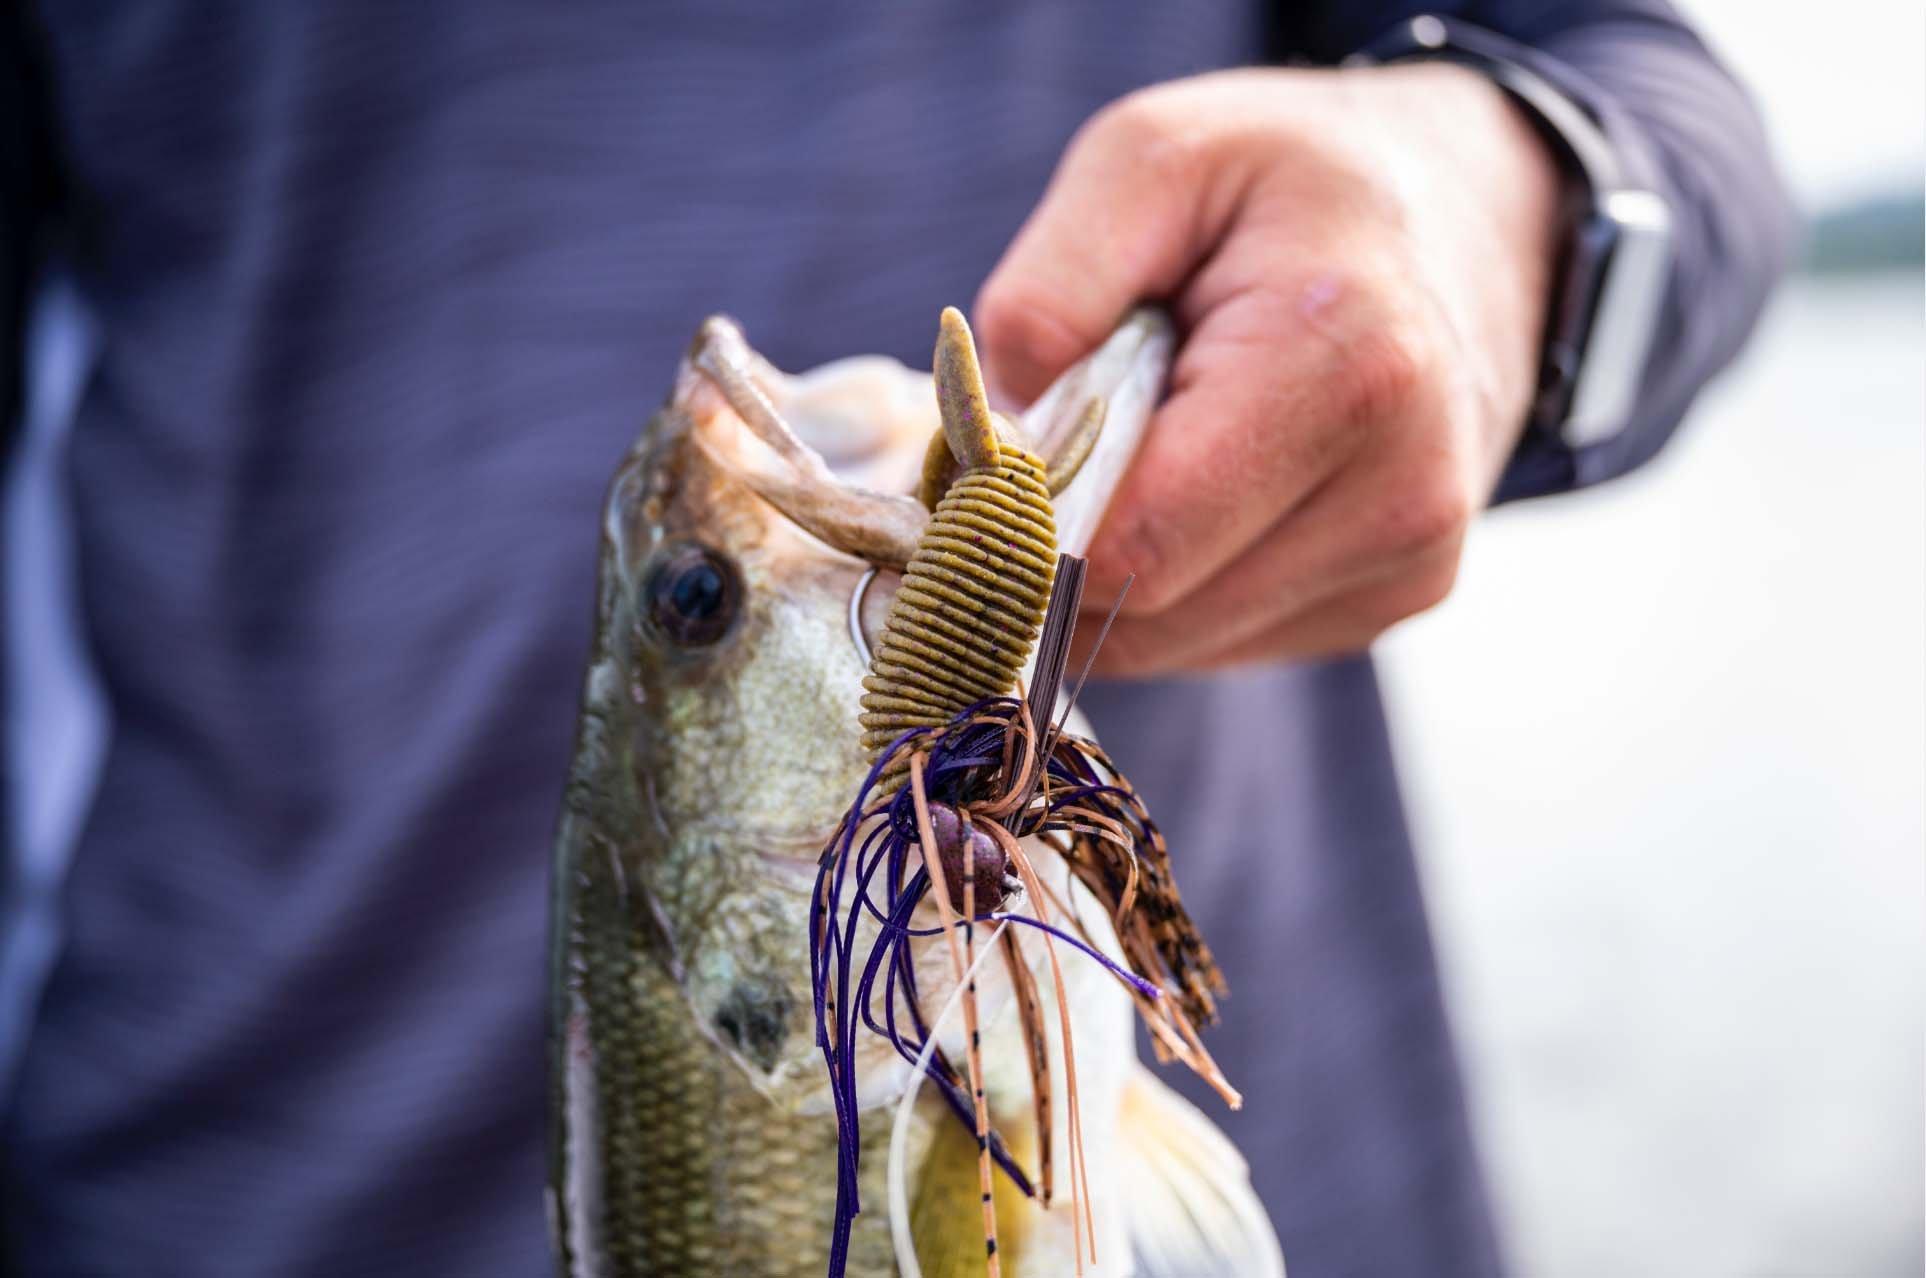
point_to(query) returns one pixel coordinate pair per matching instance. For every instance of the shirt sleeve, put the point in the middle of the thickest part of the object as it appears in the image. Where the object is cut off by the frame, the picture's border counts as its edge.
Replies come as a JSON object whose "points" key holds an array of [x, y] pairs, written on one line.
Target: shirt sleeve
{"points": [[1683, 127], [27, 201], [26, 204]]}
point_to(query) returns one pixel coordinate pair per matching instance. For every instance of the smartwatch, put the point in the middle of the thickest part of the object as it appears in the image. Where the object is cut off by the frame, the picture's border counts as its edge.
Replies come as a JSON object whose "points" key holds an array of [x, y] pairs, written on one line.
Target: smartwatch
{"points": [[1616, 257]]}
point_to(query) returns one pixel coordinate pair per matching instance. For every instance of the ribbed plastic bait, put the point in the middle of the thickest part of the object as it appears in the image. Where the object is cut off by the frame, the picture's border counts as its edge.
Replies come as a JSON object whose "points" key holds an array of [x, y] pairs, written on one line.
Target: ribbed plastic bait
{"points": [[974, 593]]}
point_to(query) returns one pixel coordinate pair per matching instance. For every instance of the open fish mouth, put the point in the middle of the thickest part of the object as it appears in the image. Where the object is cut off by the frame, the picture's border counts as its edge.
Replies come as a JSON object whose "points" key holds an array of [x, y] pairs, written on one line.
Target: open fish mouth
{"points": [[837, 450]]}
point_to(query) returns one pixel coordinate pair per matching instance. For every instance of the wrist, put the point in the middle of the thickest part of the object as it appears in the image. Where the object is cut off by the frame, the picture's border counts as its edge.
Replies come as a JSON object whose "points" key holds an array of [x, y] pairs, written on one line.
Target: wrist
{"points": [[1615, 237], [1502, 208], [1504, 162]]}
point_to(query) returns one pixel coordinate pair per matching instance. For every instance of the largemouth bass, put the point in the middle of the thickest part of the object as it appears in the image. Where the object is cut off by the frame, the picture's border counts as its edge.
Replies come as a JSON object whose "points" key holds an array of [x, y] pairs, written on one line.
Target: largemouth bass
{"points": [[752, 542]]}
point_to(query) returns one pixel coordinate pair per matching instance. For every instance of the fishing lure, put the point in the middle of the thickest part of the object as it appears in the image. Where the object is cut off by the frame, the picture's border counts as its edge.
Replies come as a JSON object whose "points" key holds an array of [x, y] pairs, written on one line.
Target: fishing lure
{"points": [[973, 595], [962, 772]]}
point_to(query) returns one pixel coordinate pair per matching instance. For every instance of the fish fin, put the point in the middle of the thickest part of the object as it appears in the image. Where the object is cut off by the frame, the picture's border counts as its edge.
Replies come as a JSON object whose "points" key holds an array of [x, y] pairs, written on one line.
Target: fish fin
{"points": [[938, 1233], [946, 1209], [1191, 1207]]}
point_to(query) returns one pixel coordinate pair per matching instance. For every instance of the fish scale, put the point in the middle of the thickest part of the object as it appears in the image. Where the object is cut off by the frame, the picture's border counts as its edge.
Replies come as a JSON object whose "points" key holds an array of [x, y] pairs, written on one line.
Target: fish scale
{"points": [[704, 1176]]}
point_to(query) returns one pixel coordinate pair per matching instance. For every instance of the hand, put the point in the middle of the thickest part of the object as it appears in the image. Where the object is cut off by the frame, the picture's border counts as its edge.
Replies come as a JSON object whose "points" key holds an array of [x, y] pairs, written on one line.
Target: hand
{"points": [[1358, 263]]}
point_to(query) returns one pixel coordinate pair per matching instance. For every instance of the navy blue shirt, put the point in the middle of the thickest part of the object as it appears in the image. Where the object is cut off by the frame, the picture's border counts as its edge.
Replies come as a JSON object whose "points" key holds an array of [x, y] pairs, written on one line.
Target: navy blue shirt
{"points": [[382, 293]]}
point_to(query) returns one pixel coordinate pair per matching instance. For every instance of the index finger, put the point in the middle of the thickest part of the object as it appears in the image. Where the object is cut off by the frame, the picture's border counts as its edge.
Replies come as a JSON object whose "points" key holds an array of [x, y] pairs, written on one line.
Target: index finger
{"points": [[1267, 401], [1119, 224]]}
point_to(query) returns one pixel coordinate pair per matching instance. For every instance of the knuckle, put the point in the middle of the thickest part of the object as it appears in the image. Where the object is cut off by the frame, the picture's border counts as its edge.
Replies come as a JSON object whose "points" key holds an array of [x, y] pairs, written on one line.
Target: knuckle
{"points": [[1419, 591], [1002, 304], [1141, 128], [1431, 587], [1375, 616], [1424, 518], [1141, 550], [1380, 374], [1385, 607], [1019, 316]]}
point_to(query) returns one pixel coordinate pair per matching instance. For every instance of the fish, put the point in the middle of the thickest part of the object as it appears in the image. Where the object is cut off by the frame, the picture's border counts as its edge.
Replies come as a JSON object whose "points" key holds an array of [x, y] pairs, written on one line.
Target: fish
{"points": [[752, 542]]}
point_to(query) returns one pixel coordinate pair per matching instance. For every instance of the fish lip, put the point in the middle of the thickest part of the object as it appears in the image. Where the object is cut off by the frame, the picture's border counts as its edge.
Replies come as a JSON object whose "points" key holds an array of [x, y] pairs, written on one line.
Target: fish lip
{"points": [[1127, 371]]}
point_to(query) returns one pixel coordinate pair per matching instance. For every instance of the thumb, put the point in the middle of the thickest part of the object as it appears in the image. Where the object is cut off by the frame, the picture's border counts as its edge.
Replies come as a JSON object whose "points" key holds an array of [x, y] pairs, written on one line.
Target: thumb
{"points": [[1122, 221]]}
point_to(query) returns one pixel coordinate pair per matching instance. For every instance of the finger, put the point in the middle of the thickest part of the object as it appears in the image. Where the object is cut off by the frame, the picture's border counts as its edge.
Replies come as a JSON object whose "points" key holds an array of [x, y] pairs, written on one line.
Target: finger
{"points": [[1127, 215], [1389, 514], [1347, 624], [1347, 620], [1277, 388], [1288, 574], [1183, 640]]}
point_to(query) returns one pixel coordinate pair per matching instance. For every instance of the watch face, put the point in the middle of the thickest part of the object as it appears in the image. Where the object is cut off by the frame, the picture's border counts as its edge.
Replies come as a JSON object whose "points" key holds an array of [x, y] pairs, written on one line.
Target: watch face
{"points": [[1622, 260]]}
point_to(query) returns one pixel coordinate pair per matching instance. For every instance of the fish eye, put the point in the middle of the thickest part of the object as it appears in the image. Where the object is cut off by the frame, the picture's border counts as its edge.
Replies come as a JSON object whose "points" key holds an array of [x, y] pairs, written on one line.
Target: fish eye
{"points": [[693, 594]]}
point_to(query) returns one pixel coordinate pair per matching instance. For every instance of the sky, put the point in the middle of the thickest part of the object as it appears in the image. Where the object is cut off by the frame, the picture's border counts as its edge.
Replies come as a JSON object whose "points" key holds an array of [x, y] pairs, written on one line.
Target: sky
{"points": [[1843, 87]]}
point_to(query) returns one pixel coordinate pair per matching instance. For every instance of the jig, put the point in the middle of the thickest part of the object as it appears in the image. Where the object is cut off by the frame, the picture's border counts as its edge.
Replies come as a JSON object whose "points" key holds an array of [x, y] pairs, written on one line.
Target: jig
{"points": [[961, 771], [974, 593]]}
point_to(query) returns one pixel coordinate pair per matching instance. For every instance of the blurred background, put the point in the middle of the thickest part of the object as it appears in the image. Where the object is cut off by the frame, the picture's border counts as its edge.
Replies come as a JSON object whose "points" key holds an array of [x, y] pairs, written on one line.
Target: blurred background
{"points": [[1693, 1020]]}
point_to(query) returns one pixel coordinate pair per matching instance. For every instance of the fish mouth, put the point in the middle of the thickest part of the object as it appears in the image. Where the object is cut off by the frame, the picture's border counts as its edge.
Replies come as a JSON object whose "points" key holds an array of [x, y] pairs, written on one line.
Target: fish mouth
{"points": [[775, 431]]}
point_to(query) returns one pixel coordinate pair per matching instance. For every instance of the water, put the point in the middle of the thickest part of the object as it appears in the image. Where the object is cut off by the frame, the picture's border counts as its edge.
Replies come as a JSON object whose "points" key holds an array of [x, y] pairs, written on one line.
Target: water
{"points": [[1666, 747]]}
